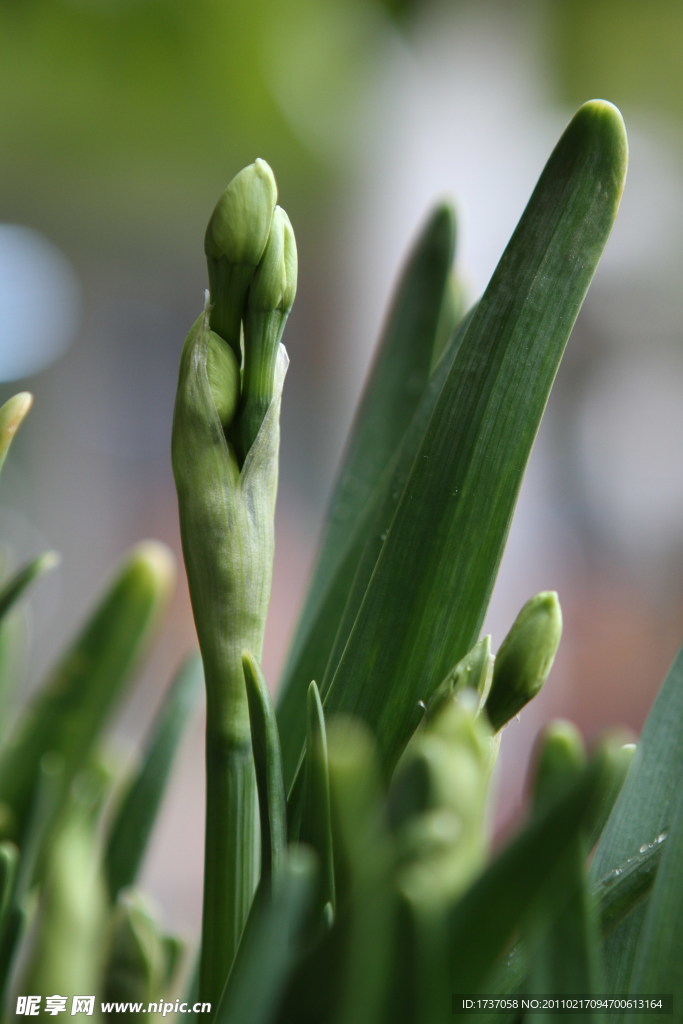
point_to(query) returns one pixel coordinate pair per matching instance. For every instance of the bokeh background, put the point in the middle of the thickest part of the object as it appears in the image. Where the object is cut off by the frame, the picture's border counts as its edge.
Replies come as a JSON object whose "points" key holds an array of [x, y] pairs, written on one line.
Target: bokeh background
{"points": [[122, 120]]}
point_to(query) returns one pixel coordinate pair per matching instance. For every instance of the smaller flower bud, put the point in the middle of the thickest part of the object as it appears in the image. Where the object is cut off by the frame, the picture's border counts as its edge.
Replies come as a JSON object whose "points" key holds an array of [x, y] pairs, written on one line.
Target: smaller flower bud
{"points": [[525, 658], [268, 304]]}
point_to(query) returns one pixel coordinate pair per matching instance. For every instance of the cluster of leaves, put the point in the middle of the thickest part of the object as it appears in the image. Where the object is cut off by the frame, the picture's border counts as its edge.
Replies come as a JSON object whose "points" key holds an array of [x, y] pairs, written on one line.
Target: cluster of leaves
{"points": [[363, 888], [74, 833]]}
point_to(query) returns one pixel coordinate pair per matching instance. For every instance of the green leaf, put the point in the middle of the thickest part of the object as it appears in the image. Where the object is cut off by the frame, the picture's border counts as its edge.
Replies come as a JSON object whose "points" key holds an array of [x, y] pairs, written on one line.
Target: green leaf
{"points": [[69, 950], [12, 415], [642, 812], [562, 936], [269, 782], [136, 958], [400, 373], [365, 900], [68, 714], [14, 588], [425, 603], [132, 825], [659, 954], [270, 946], [316, 826], [622, 889], [523, 876], [351, 580]]}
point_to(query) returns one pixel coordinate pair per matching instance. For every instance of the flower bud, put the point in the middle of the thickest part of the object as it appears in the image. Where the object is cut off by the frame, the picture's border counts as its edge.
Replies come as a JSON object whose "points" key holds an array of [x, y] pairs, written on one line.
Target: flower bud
{"points": [[240, 223], [235, 241], [525, 657], [268, 304], [223, 372]]}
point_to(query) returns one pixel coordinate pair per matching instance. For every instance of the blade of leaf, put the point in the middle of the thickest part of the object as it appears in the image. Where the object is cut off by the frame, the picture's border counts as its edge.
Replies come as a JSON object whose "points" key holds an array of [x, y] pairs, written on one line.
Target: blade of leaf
{"points": [[14, 588], [339, 608], [269, 782], [657, 962], [642, 812], [620, 891], [399, 374], [269, 946], [132, 825], [316, 826], [523, 874], [563, 938], [12, 415], [68, 714], [426, 600]]}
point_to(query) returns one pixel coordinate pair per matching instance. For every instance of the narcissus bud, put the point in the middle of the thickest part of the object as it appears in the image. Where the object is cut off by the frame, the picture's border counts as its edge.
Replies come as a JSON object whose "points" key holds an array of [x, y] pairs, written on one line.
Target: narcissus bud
{"points": [[234, 243], [268, 305], [525, 657], [238, 229], [223, 372]]}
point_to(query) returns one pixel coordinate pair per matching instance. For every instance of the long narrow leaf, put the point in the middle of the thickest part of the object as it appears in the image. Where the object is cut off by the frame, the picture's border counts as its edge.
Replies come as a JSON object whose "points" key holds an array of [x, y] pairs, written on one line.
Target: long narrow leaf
{"points": [[643, 811], [12, 415], [269, 782], [316, 826], [425, 603], [339, 608], [522, 875], [133, 823], [400, 373], [659, 955], [68, 714], [15, 587], [270, 946]]}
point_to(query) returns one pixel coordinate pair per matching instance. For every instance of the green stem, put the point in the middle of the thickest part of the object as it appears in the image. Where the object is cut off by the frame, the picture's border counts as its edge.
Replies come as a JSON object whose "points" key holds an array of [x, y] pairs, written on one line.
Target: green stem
{"points": [[230, 865]]}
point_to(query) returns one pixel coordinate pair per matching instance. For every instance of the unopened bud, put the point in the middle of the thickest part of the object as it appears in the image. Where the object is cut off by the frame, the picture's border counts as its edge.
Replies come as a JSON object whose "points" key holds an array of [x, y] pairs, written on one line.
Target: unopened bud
{"points": [[274, 284], [525, 658], [268, 304], [235, 241], [240, 223], [223, 372]]}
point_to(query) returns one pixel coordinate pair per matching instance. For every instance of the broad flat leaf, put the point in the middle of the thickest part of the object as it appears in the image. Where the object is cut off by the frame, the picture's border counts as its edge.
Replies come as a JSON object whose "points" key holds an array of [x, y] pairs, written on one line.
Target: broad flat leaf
{"points": [[132, 826], [415, 326], [339, 607], [620, 891], [659, 955], [426, 600], [642, 812]]}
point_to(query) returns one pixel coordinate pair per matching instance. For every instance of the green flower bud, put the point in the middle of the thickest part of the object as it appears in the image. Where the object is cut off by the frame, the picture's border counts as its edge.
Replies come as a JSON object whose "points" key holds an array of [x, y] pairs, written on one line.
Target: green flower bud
{"points": [[235, 241], [223, 372], [560, 757], [240, 223], [268, 305], [274, 283], [525, 657], [438, 802]]}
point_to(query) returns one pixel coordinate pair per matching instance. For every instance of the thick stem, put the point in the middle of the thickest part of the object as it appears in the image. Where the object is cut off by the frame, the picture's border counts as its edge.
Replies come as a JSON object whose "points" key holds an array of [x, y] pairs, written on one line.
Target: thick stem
{"points": [[230, 865]]}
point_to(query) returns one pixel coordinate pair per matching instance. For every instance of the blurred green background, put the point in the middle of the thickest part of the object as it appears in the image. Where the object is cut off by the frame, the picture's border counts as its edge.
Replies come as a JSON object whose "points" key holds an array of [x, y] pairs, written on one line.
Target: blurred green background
{"points": [[122, 120]]}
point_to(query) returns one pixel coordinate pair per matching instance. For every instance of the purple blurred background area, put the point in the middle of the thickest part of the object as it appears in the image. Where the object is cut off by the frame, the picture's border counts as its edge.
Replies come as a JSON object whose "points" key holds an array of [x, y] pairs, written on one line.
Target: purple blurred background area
{"points": [[121, 123]]}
